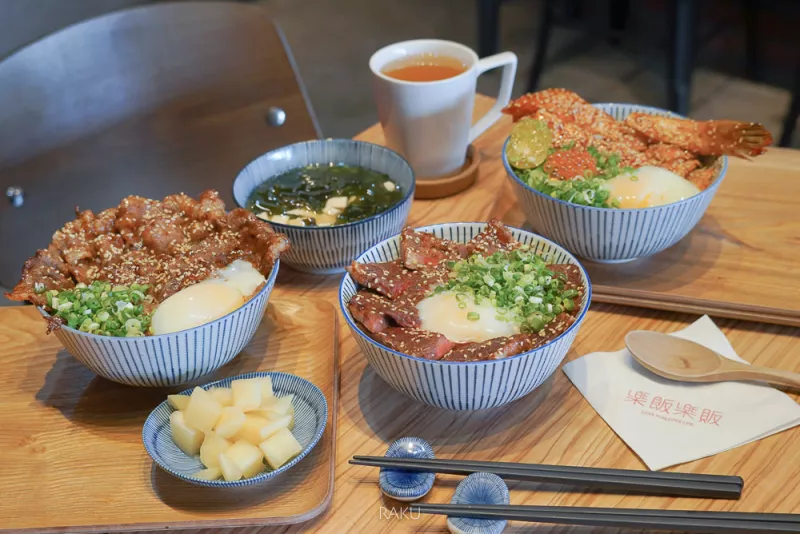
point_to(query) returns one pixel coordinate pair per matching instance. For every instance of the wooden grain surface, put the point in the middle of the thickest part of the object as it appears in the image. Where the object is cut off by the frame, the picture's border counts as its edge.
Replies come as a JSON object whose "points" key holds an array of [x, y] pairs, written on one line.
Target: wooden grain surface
{"points": [[72, 455], [552, 425], [736, 262]]}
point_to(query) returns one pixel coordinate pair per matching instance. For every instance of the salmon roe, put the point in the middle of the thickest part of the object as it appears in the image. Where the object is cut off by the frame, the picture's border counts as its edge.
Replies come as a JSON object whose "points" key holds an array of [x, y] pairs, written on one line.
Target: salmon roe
{"points": [[568, 164]]}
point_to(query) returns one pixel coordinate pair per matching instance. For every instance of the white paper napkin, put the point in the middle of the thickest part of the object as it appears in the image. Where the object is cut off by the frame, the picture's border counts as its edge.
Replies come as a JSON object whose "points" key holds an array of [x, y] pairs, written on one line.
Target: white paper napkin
{"points": [[668, 423]]}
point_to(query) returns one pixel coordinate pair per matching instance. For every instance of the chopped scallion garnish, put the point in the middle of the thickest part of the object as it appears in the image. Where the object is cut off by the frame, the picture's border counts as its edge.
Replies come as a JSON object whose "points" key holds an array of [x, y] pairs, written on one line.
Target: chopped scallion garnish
{"points": [[518, 284], [100, 309]]}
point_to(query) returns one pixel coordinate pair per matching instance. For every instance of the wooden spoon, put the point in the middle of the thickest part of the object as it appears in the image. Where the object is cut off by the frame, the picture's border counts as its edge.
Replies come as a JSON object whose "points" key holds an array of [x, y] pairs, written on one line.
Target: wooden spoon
{"points": [[687, 361]]}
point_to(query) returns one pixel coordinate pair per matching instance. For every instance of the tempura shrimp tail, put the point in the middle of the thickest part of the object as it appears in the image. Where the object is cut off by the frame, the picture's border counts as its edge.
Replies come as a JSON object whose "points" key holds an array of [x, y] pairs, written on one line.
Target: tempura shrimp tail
{"points": [[706, 138]]}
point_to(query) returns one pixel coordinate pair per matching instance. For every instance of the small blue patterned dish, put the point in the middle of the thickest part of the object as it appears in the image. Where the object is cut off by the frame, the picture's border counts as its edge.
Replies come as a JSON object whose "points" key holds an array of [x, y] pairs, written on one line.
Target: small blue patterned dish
{"points": [[310, 413], [479, 488], [329, 249], [404, 485]]}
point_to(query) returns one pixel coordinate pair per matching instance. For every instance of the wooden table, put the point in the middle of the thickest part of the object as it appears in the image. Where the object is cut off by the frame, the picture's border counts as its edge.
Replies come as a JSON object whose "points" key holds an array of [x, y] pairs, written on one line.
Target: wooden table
{"points": [[567, 429]]}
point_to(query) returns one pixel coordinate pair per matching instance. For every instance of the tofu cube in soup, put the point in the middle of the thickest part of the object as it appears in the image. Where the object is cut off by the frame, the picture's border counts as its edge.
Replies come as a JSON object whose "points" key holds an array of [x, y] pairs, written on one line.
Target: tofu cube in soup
{"points": [[280, 448], [247, 393], [211, 473], [335, 204], [223, 395], [230, 421], [247, 457], [230, 471], [203, 410], [212, 447], [187, 438], [178, 402]]}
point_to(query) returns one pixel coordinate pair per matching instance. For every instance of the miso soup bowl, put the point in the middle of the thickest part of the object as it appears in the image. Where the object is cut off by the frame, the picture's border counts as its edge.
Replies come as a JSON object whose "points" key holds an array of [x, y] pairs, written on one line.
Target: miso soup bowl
{"points": [[465, 385], [170, 359], [329, 249], [608, 235]]}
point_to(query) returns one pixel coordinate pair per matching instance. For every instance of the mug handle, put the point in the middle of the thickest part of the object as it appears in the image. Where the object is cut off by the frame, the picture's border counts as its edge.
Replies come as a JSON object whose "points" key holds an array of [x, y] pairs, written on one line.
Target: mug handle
{"points": [[507, 60]]}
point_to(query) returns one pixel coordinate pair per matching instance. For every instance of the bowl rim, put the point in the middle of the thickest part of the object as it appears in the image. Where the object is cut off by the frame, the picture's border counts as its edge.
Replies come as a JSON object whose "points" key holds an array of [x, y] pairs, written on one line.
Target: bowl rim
{"points": [[511, 174], [261, 477], [409, 194], [269, 282], [578, 320]]}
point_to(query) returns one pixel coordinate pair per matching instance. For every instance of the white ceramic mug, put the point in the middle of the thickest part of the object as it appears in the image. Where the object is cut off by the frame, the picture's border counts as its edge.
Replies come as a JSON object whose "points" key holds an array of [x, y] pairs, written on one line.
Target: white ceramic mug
{"points": [[429, 122]]}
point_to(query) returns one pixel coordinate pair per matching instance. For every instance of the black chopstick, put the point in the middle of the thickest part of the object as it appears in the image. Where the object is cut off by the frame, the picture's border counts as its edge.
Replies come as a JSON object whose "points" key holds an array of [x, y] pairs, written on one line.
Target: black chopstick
{"points": [[676, 484], [686, 520]]}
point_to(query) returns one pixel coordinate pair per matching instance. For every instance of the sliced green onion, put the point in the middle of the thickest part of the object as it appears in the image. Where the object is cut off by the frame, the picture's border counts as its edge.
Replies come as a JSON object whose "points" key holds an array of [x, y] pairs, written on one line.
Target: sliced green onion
{"points": [[517, 284], [97, 309]]}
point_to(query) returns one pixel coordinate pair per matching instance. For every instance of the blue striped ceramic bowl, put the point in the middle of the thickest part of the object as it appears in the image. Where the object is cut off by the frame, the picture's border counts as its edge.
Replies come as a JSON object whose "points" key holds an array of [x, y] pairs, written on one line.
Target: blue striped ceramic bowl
{"points": [[464, 385], [613, 235], [310, 418], [329, 249], [170, 359]]}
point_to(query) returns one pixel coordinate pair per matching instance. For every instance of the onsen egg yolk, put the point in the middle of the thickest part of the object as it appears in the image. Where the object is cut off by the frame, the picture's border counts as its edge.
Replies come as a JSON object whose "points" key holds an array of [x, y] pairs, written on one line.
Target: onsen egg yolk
{"points": [[241, 275], [194, 306], [649, 186], [440, 313]]}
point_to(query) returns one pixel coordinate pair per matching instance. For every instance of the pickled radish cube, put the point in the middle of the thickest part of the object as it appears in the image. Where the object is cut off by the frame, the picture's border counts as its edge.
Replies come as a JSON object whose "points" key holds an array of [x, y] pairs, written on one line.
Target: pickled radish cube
{"points": [[187, 439], [223, 395], [212, 447], [230, 421], [274, 426], [266, 389], [212, 473], [251, 429], [280, 448], [247, 393], [291, 423], [203, 410], [278, 408], [178, 402], [230, 471], [247, 457]]}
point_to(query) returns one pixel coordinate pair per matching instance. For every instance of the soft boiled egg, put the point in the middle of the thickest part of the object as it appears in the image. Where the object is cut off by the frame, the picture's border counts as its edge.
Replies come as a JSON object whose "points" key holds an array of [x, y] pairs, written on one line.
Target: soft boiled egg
{"points": [[206, 301], [475, 322], [649, 186], [240, 274]]}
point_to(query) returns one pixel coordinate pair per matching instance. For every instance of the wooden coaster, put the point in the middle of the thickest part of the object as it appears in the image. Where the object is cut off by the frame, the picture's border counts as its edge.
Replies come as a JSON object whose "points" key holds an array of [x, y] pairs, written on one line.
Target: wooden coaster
{"points": [[450, 184]]}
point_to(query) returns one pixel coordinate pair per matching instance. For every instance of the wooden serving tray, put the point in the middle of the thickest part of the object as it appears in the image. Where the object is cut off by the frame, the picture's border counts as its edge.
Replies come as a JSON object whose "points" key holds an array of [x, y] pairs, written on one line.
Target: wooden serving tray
{"points": [[72, 456], [738, 262]]}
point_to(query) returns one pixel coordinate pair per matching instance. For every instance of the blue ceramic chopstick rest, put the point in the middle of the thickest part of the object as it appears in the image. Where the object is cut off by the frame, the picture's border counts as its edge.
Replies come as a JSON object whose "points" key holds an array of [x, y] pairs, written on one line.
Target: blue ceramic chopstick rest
{"points": [[405, 485], [479, 488]]}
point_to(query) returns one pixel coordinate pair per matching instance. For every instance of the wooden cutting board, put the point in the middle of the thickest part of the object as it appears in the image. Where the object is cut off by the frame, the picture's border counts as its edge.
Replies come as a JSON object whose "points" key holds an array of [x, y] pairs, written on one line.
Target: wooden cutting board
{"points": [[72, 456], [739, 260]]}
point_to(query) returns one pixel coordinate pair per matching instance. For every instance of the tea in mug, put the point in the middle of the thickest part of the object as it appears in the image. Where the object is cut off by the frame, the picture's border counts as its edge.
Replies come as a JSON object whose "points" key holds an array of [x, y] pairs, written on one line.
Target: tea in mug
{"points": [[424, 68]]}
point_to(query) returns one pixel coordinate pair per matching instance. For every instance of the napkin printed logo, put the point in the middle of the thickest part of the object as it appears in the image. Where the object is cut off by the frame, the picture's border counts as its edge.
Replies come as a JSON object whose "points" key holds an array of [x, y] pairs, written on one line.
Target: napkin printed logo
{"points": [[639, 397], [671, 410], [711, 417]]}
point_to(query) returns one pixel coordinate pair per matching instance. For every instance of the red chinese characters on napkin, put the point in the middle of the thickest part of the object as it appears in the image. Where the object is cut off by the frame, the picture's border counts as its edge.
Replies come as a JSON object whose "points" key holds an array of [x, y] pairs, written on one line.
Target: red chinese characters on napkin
{"points": [[667, 422]]}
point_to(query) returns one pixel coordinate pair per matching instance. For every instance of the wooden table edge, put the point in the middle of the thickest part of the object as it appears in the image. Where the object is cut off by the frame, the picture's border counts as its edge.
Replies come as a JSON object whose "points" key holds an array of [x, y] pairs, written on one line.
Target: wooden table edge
{"points": [[321, 507]]}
